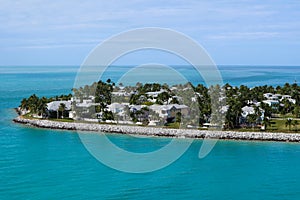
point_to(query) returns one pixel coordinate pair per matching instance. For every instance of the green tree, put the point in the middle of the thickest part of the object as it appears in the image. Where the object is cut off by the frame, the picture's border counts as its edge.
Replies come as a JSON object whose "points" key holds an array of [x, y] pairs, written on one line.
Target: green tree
{"points": [[107, 115], [103, 93], [178, 117], [287, 108], [295, 125], [267, 109], [24, 104], [162, 97], [62, 108], [266, 122], [42, 106], [296, 111], [288, 123], [251, 118]]}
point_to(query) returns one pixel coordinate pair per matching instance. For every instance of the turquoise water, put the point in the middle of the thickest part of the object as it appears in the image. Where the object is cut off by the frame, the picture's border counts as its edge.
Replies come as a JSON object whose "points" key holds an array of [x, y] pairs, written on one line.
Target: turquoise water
{"points": [[46, 164]]}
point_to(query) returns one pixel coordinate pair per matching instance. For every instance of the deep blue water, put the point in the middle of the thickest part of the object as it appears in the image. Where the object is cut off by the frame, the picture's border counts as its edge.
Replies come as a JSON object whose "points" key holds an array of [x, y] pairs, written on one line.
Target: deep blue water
{"points": [[46, 164]]}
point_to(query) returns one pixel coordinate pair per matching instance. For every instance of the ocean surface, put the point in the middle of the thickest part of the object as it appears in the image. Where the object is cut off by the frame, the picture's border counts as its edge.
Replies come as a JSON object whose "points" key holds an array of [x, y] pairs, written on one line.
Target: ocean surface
{"points": [[47, 164]]}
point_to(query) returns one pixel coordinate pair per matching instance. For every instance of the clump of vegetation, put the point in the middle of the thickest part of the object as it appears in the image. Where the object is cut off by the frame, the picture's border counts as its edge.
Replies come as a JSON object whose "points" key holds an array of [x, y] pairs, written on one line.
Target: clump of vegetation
{"points": [[36, 105], [282, 116]]}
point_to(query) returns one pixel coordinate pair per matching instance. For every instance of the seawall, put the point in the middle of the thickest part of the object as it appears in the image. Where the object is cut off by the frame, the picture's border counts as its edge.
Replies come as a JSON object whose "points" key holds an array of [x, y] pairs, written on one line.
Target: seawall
{"points": [[165, 132]]}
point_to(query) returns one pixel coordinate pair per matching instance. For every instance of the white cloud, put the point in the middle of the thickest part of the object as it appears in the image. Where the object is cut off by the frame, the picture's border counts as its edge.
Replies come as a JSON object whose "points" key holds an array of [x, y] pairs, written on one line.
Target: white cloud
{"points": [[66, 22]]}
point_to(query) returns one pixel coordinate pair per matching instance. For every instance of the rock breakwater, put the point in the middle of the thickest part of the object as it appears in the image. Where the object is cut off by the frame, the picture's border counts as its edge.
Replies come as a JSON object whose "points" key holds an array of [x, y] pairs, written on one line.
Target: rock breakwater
{"points": [[165, 132]]}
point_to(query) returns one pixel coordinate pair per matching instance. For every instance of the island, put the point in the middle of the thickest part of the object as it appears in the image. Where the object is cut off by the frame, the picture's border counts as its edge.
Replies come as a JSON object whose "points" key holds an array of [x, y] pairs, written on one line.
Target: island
{"points": [[183, 110]]}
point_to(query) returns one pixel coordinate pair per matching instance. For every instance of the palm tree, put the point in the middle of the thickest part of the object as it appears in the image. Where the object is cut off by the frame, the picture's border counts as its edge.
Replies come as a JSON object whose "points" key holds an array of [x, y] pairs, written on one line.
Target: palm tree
{"points": [[62, 108], [24, 104], [257, 111], [295, 124], [178, 117], [266, 122], [288, 123], [229, 120], [287, 106], [296, 111], [162, 97], [237, 109], [42, 108], [251, 118], [32, 103], [267, 109]]}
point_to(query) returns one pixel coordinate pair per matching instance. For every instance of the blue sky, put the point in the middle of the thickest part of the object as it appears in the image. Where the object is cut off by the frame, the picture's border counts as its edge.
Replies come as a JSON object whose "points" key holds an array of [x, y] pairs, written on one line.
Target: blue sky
{"points": [[247, 32]]}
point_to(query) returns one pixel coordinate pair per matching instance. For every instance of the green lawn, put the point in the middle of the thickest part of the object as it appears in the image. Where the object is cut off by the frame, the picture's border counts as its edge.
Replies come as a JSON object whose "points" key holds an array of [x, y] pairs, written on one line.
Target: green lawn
{"points": [[173, 125], [279, 125], [63, 120], [28, 116]]}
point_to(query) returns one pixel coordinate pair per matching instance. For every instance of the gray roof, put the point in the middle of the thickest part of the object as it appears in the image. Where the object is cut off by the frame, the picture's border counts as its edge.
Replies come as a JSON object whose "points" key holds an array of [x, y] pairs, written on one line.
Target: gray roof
{"points": [[167, 107], [54, 105], [135, 107]]}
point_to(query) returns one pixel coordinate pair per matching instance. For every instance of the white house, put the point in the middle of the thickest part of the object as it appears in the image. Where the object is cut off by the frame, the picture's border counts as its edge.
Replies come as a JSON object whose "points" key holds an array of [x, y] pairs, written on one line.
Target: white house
{"points": [[277, 97], [134, 108], [247, 110], [155, 94], [116, 107], [271, 103], [289, 98], [53, 108], [86, 103], [167, 111], [121, 93], [268, 95], [54, 105]]}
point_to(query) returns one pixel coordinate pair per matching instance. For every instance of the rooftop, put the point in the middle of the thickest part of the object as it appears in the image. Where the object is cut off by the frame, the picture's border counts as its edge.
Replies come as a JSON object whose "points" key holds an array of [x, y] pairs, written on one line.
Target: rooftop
{"points": [[54, 105]]}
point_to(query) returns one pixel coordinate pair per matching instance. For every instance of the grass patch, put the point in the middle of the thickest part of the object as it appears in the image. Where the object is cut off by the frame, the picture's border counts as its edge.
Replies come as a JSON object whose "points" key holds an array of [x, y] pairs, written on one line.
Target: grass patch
{"points": [[63, 120], [277, 125], [28, 116], [175, 125], [280, 125], [255, 129]]}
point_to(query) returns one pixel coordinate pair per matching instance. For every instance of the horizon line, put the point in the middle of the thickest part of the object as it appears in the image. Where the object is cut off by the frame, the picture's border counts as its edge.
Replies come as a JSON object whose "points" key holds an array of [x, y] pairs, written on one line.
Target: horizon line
{"points": [[130, 65]]}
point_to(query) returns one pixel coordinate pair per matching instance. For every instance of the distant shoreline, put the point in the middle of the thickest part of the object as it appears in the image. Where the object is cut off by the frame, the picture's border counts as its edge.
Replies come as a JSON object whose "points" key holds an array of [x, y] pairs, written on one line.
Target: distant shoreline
{"points": [[161, 132]]}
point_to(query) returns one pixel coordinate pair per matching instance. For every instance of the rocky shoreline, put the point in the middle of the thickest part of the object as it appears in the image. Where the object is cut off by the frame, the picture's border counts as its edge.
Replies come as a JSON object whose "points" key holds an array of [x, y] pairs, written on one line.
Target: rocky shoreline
{"points": [[153, 131]]}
